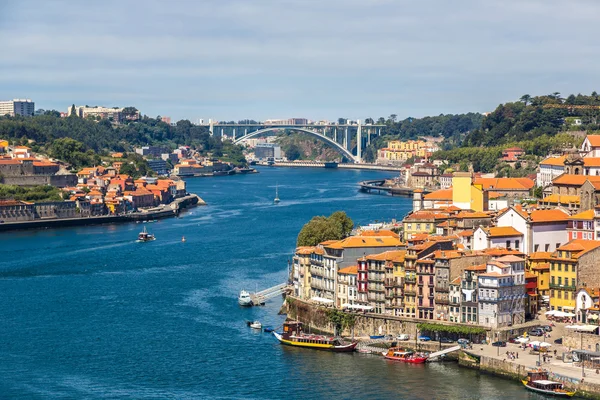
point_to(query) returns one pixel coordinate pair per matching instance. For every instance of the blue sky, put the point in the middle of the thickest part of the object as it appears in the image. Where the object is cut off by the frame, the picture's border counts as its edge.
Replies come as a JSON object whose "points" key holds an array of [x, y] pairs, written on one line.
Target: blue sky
{"points": [[319, 59]]}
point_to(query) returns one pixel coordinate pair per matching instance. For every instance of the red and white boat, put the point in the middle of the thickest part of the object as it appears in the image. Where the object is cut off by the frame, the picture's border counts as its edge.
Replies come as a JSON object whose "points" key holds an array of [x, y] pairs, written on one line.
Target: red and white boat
{"points": [[408, 356]]}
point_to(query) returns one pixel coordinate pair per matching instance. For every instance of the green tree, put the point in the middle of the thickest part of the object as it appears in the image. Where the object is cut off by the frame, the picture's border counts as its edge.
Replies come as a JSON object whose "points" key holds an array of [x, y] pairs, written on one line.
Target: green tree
{"points": [[293, 152], [319, 229], [73, 111], [525, 99]]}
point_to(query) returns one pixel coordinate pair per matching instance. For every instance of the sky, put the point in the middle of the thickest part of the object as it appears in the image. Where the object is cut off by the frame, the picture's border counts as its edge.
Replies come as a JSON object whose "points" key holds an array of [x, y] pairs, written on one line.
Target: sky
{"points": [[316, 59]]}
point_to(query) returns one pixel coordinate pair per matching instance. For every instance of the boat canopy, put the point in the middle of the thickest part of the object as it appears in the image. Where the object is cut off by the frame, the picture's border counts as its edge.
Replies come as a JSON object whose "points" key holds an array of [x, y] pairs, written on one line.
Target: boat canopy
{"points": [[582, 328], [322, 300], [545, 383]]}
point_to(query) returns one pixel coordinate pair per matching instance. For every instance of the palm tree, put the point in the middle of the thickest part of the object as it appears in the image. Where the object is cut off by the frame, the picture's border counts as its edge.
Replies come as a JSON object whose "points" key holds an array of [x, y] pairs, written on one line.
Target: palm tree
{"points": [[525, 99]]}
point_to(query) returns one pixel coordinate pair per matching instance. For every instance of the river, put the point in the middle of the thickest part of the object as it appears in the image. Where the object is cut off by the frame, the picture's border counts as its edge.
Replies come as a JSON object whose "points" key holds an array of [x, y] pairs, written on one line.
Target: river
{"points": [[89, 313]]}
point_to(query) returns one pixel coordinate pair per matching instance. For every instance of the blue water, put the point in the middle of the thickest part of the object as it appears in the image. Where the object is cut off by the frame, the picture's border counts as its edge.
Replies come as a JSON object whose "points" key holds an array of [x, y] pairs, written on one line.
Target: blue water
{"points": [[89, 313]]}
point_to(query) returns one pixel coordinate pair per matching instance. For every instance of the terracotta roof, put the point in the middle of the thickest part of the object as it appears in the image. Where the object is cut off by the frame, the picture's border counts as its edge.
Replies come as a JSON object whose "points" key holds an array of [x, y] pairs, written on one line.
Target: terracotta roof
{"points": [[594, 140], [548, 216], [425, 215], [364, 241], [353, 270], [529, 275], [380, 232], [502, 231], [480, 267], [554, 161], [541, 267], [305, 250], [387, 255], [540, 255], [443, 194], [574, 180], [514, 149], [510, 258], [476, 214], [455, 281], [561, 199], [581, 246], [499, 251], [446, 254], [591, 161], [586, 216], [466, 233], [504, 183]]}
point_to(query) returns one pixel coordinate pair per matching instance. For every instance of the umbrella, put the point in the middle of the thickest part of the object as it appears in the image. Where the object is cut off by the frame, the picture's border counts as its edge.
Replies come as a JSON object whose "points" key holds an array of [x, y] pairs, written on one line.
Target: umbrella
{"points": [[569, 314], [522, 340], [551, 312], [534, 343], [545, 344]]}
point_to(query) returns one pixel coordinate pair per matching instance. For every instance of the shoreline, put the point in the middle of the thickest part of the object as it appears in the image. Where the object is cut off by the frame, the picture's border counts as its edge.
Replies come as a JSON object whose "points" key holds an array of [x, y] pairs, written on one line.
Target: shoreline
{"points": [[165, 211]]}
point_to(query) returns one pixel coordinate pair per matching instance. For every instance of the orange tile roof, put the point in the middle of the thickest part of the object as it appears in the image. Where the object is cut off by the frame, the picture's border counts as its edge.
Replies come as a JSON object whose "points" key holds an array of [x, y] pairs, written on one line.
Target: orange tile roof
{"points": [[446, 254], [476, 214], [456, 281], [548, 216], [466, 233], [305, 250], [574, 180], [480, 267], [380, 232], [541, 267], [561, 199], [540, 255], [365, 241], [387, 255], [425, 215], [581, 246], [586, 216], [594, 140], [498, 251], [504, 183], [353, 270], [554, 161], [502, 231], [530, 275], [510, 258], [443, 194], [591, 161]]}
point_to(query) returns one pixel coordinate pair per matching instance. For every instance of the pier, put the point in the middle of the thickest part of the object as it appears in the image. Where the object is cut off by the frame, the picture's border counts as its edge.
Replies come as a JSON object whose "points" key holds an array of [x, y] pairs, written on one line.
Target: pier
{"points": [[377, 185], [259, 298]]}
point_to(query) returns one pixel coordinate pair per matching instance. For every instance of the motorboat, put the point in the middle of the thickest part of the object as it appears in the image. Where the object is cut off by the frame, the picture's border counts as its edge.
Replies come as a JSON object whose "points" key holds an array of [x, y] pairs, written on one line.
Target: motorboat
{"points": [[408, 356], [256, 325], [538, 381], [144, 236], [276, 200], [244, 299], [293, 335]]}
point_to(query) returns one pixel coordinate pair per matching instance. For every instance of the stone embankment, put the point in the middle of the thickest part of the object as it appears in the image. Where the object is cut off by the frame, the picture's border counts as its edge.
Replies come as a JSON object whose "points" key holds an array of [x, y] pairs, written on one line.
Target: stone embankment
{"points": [[165, 211]]}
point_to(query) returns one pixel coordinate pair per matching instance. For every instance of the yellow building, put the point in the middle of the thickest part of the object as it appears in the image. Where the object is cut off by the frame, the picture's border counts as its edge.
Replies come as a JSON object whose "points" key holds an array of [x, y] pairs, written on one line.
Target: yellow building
{"points": [[420, 222], [301, 270], [3, 146], [466, 195], [538, 263], [571, 266], [397, 150]]}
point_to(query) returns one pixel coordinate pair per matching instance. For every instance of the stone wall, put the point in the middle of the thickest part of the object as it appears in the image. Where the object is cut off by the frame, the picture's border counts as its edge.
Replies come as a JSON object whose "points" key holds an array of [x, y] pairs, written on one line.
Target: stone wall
{"points": [[584, 341], [34, 180], [587, 269]]}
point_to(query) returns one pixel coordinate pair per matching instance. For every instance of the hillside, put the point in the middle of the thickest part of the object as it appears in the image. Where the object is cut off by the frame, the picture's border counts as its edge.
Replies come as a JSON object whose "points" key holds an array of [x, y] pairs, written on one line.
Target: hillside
{"points": [[306, 147]]}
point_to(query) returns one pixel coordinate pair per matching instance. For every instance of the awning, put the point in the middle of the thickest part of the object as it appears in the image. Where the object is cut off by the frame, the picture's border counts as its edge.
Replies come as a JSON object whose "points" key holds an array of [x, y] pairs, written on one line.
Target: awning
{"points": [[322, 300], [551, 312], [582, 328], [568, 308]]}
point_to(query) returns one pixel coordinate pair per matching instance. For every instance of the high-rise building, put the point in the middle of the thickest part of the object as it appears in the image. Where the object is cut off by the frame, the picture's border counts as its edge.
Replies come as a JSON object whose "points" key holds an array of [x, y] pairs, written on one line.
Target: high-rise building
{"points": [[25, 107]]}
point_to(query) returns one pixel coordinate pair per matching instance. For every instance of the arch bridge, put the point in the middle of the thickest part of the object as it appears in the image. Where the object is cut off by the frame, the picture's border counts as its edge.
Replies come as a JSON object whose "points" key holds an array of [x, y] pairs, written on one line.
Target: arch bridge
{"points": [[337, 136]]}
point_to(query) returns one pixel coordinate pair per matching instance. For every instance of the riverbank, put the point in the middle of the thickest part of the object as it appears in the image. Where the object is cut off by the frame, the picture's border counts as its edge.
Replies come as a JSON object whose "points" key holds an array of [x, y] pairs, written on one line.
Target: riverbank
{"points": [[164, 211], [332, 165]]}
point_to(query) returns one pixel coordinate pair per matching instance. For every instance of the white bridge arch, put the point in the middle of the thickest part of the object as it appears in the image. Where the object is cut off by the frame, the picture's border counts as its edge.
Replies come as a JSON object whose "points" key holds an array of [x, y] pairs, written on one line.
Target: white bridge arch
{"points": [[346, 153]]}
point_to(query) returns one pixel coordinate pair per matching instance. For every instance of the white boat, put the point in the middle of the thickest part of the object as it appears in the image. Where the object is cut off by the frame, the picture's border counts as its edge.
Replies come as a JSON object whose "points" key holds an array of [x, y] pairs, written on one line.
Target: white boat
{"points": [[256, 325], [244, 299], [276, 199], [144, 236]]}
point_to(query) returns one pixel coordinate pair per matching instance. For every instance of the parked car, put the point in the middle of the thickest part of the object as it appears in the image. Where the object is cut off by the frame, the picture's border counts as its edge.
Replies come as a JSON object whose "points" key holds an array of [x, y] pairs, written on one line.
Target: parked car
{"points": [[402, 336], [547, 328], [424, 338], [536, 332], [446, 340], [499, 343], [463, 342]]}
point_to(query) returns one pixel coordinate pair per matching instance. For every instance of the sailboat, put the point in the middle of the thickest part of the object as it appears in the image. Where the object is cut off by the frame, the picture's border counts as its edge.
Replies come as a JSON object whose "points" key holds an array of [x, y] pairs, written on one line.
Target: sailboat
{"points": [[276, 199]]}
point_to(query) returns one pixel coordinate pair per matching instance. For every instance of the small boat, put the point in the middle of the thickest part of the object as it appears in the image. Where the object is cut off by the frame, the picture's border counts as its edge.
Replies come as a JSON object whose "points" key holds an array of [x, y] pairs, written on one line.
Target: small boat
{"points": [[183, 238], [144, 236], [244, 299], [269, 329], [276, 199], [408, 356], [256, 325], [377, 337], [538, 381], [292, 335]]}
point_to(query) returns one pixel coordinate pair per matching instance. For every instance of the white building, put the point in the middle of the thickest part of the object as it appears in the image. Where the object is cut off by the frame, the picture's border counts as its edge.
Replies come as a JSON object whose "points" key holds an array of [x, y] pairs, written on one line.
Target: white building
{"points": [[550, 168], [591, 146], [504, 237], [24, 107], [544, 230], [501, 292]]}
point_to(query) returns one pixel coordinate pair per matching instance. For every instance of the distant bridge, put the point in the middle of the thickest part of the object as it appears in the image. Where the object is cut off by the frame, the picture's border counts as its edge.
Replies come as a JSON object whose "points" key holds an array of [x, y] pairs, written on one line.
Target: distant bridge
{"points": [[337, 136]]}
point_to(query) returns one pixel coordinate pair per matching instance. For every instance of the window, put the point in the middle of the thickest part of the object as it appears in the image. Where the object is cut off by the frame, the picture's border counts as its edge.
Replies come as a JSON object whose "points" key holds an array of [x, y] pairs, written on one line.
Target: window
{"points": [[572, 268], [573, 282], [557, 246], [560, 267], [559, 294], [508, 244], [552, 266], [572, 295], [560, 280], [516, 244], [552, 279], [536, 247], [547, 247]]}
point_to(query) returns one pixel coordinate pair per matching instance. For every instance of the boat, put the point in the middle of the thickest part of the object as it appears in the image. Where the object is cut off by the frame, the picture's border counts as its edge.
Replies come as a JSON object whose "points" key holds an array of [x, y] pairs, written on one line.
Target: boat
{"points": [[376, 336], [408, 356], [256, 325], [537, 381], [244, 299], [293, 335], [276, 199], [183, 238], [269, 329], [144, 236]]}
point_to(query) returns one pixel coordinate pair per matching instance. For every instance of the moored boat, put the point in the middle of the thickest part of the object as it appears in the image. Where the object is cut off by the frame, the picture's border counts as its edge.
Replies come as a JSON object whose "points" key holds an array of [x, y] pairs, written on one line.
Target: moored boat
{"points": [[244, 299], [408, 356], [538, 381], [256, 325], [376, 336], [293, 335]]}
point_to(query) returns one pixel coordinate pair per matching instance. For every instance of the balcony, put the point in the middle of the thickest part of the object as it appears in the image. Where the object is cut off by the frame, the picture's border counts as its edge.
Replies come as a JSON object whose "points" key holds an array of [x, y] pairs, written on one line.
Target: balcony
{"points": [[454, 301], [441, 300], [390, 282], [561, 287], [442, 288], [410, 292], [410, 279]]}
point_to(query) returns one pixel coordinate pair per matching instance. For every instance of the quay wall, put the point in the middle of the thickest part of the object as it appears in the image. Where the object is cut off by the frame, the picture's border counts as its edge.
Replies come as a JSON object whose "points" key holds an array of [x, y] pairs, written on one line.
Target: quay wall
{"points": [[515, 371]]}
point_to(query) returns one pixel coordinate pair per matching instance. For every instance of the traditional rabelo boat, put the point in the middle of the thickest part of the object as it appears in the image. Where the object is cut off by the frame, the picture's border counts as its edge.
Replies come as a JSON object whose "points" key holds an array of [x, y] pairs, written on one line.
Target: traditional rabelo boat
{"points": [[408, 356], [538, 381], [293, 335]]}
